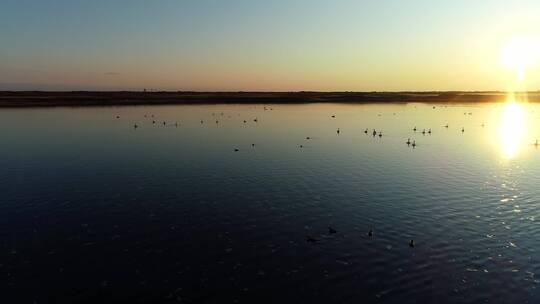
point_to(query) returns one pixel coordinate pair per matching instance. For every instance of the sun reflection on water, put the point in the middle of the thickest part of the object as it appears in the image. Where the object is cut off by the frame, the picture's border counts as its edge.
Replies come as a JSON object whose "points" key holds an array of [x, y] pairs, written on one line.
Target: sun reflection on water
{"points": [[512, 128]]}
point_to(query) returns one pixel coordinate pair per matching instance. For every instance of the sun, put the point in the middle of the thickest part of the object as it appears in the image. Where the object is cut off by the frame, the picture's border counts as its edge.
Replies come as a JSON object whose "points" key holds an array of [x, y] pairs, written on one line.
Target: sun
{"points": [[519, 54]]}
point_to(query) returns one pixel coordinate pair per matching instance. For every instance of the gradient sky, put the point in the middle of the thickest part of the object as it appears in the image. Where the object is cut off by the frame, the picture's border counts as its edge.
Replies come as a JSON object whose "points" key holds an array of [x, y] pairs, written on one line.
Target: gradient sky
{"points": [[262, 45]]}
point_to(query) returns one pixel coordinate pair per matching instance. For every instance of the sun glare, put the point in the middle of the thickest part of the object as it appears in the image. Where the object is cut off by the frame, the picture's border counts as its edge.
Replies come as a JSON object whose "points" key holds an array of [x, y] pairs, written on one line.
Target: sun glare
{"points": [[520, 54], [512, 128]]}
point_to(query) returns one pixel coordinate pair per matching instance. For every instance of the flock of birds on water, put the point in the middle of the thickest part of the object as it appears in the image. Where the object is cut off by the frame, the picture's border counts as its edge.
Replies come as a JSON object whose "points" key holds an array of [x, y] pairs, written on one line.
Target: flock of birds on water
{"points": [[374, 133]]}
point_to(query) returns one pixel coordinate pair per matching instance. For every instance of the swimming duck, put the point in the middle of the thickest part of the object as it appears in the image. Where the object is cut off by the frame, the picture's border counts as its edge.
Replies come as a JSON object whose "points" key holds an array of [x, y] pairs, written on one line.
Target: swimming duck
{"points": [[370, 232], [429, 131], [462, 130], [414, 129], [236, 150], [337, 131], [414, 143], [374, 133], [408, 142], [311, 239], [366, 130], [380, 134]]}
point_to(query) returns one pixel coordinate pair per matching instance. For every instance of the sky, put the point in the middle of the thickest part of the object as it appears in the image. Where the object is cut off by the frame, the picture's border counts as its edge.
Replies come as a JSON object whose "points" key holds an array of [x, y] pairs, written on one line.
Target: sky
{"points": [[251, 45]]}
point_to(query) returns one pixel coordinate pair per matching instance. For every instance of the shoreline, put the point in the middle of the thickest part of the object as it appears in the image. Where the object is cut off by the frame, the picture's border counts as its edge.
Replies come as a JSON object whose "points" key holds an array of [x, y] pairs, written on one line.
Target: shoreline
{"points": [[19, 99]]}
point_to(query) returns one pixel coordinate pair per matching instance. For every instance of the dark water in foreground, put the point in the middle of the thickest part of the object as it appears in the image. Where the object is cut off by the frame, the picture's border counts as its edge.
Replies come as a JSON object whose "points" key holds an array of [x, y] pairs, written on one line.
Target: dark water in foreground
{"points": [[93, 210]]}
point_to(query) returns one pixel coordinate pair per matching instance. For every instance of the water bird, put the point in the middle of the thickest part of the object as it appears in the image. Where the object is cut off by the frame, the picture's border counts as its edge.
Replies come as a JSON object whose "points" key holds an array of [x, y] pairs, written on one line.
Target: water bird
{"points": [[311, 239], [253, 145], [366, 130], [414, 129], [308, 137], [117, 116], [331, 230], [411, 243], [462, 130], [202, 121], [337, 131], [429, 131], [536, 143], [370, 232], [245, 121], [301, 146], [374, 133], [135, 126], [217, 121], [176, 124], [414, 143], [153, 121], [164, 123], [236, 150], [333, 116], [446, 126], [255, 120], [145, 115], [424, 132], [408, 142], [380, 134]]}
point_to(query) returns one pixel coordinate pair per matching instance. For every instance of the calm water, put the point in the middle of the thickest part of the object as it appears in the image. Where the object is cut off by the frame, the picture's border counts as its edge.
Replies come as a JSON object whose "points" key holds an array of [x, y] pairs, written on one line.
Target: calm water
{"points": [[94, 210]]}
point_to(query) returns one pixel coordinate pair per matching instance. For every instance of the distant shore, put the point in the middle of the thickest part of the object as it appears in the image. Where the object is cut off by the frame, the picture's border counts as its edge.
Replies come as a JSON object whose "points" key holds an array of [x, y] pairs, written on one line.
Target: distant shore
{"points": [[93, 98]]}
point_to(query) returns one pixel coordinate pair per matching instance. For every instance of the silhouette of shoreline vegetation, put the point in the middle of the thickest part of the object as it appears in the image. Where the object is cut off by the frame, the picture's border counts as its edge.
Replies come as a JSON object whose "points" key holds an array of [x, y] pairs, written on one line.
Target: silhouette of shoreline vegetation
{"points": [[95, 98]]}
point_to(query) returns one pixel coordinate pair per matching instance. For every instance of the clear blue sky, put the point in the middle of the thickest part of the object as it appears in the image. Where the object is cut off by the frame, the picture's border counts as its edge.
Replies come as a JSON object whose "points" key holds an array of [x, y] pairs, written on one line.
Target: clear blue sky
{"points": [[260, 45]]}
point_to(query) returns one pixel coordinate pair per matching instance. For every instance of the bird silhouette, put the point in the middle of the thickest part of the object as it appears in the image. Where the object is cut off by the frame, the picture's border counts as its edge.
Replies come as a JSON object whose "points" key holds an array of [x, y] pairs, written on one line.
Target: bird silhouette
{"points": [[311, 239]]}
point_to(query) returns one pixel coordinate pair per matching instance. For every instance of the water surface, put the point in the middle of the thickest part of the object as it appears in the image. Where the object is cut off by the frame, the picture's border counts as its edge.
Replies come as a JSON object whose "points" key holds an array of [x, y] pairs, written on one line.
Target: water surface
{"points": [[95, 210]]}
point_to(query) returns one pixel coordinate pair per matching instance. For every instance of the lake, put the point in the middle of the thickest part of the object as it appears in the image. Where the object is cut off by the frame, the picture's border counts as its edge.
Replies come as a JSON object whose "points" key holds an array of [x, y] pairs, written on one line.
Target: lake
{"points": [[96, 210]]}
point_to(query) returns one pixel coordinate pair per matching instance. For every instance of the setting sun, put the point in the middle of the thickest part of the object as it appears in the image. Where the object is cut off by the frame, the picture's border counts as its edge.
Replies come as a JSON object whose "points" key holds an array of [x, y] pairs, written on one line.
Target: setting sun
{"points": [[519, 54]]}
